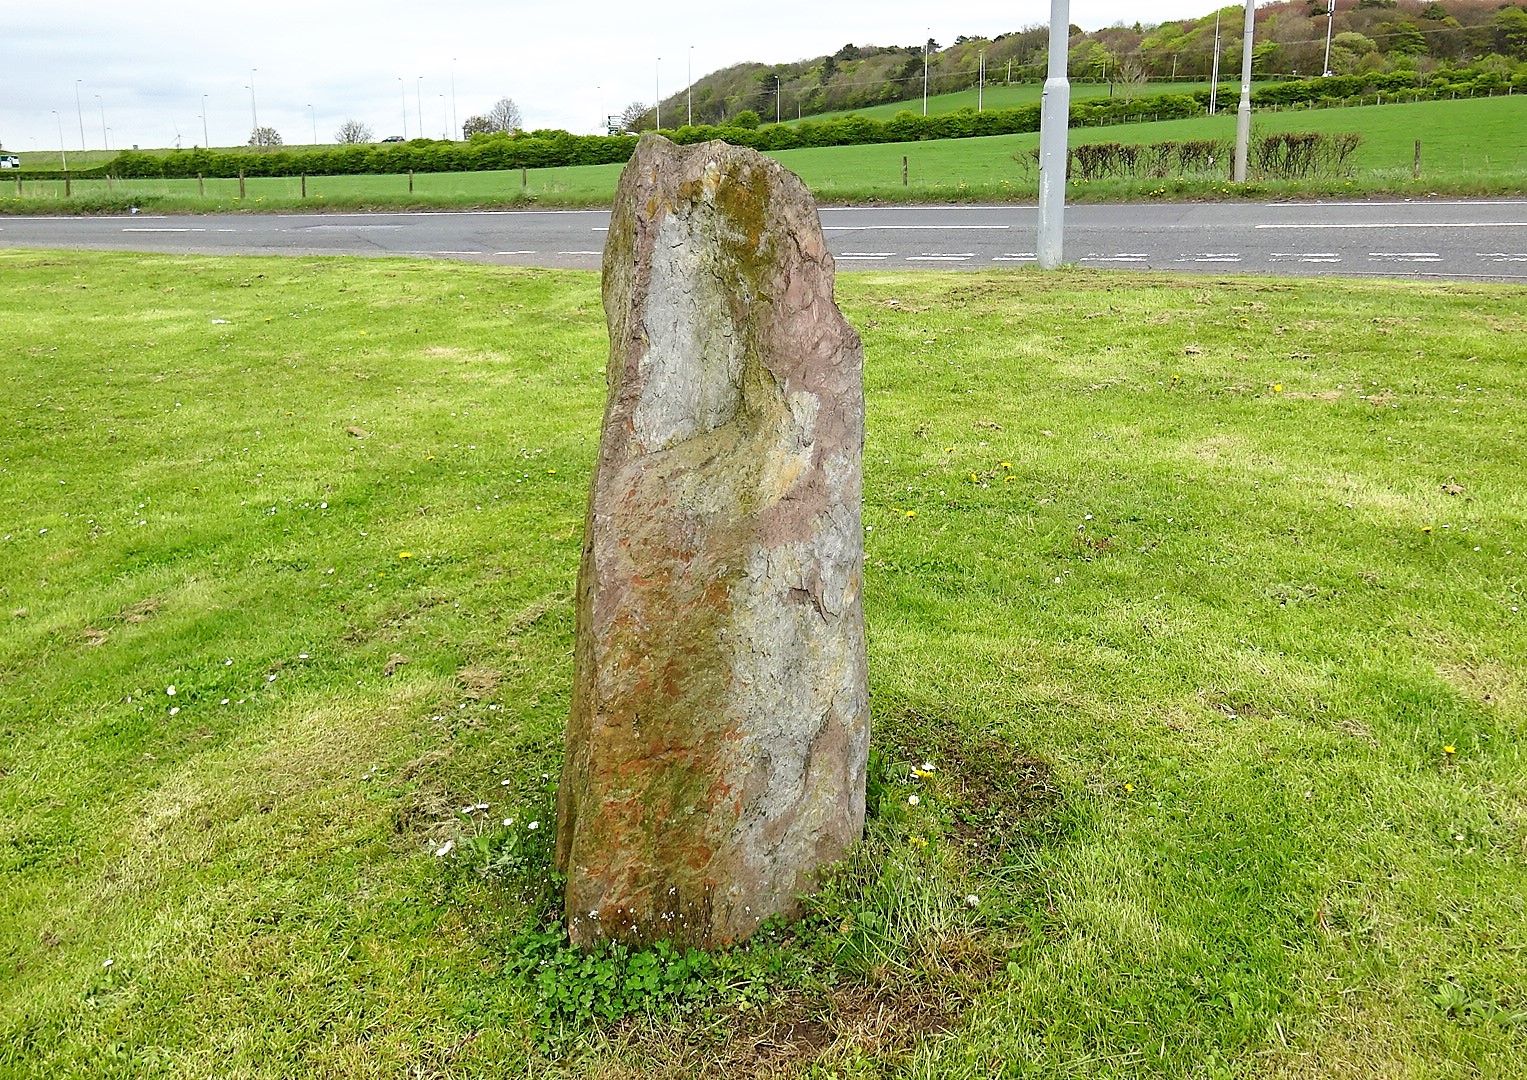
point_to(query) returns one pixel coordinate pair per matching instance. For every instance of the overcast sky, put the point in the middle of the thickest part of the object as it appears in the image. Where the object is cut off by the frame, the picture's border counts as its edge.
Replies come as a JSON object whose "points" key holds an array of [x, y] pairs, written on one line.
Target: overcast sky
{"points": [[147, 65]]}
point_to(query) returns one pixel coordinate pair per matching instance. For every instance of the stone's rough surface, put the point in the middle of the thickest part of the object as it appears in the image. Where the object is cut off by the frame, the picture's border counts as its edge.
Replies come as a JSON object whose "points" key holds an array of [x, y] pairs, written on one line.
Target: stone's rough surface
{"points": [[717, 744]]}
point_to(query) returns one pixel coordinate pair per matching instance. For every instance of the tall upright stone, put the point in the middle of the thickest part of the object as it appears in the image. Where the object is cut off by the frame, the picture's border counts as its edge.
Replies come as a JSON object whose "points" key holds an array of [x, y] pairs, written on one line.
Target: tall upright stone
{"points": [[717, 744]]}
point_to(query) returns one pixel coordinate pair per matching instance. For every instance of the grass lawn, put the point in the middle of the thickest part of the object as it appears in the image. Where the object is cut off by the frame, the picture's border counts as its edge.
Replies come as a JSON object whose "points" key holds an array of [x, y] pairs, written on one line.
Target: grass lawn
{"points": [[1203, 598], [1474, 146]]}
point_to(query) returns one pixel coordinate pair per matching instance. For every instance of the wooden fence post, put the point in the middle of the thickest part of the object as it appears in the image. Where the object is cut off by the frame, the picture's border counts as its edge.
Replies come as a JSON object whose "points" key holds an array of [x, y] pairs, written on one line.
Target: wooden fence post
{"points": [[903, 170], [524, 178], [201, 187], [1415, 168], [304, 185], [241, 184], [68, 190], [410, 181]]}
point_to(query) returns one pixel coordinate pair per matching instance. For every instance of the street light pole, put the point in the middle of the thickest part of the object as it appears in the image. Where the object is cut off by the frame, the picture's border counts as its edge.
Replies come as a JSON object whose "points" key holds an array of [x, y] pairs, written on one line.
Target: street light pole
{"points": [[403, 94], [455, 128], [925, 70], [419, 103], [102, 104], [776, 99], [313, 116], [1214, 74], [1054, 116], [205, 141], [981, 82], [254, 110], [1243, 113], [62, 150], [1330, 22]]}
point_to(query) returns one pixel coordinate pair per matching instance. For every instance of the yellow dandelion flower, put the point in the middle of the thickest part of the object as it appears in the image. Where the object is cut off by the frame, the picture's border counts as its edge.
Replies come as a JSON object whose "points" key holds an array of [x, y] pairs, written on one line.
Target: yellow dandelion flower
{"points": [[405, 554], [1426, 528], [1450, 750], [911, 513], [1129, 787], [1007, 464], [1277, 388]]}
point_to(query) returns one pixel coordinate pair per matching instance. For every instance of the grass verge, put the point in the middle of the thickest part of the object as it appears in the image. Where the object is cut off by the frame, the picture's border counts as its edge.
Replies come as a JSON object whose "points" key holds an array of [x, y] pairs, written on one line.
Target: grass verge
{"points": [[1201, 598]]}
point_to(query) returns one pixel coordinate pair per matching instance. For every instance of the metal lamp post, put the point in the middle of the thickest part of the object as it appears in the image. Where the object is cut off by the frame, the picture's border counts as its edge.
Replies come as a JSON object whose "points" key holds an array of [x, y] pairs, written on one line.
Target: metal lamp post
{"points": [[419, 103], [1243, 112], [80, 112], [254, 110], [1214, 74], [206, 142], [105, 142], [925, 70], [62, 150], [403, 96], [1054, 116]]}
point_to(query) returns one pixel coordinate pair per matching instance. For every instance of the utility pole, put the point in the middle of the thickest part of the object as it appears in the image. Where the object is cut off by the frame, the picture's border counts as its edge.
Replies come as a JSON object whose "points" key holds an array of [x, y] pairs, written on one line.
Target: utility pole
{"points": [[419, 103], [981, 82], [206, 141], [1243, 113], [1054, 116], [81, 112]]}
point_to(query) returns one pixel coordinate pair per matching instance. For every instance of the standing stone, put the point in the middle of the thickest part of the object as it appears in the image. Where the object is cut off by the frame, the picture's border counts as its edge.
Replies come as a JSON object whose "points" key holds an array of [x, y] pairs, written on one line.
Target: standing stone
{"points": [[717, 744]]}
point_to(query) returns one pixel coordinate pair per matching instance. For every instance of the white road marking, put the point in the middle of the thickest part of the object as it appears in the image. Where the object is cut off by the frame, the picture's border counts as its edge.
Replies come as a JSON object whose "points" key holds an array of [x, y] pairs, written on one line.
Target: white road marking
{"points": [[1502, 256], [580, 253], [1021, 256], [357, 225], [1306, 256], [1405, 256], [866, 256], [928, 256], [514, 253], [166, 229], [1395, 225], [1210, 256], [925, 228], [1123, 256], [458, 253]]}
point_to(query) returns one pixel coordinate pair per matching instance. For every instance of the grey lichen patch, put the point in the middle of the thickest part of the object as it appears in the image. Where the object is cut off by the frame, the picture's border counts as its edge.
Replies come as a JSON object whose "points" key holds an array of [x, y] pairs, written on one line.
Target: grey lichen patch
{"points": [[719, 730]]}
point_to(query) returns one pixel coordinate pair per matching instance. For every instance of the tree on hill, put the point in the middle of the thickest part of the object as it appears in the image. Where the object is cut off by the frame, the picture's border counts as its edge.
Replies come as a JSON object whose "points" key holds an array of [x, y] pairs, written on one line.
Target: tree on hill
{"points": [[354, 131], [264, 138], [505, 116]]}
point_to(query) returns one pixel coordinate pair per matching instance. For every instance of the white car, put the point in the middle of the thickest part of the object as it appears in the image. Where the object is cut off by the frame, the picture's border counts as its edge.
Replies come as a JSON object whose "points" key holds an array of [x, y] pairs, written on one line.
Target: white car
{"points": [[9, 161]]}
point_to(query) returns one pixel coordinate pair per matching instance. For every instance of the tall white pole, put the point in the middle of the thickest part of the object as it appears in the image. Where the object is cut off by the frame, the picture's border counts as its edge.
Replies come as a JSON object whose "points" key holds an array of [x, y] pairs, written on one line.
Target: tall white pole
{"points": [[1243, 113], [1214, 76], [419, 103], [403, 94], [206, 140], [455, 128], [1054, 116], [925, 70], [80, 111], [981, 83], [776, 99], [1330, 22], [254, 110]]}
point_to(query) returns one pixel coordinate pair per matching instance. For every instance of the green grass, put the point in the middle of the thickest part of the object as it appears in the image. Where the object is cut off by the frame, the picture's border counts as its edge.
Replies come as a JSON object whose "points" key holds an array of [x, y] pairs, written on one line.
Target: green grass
{"points": [[1475, 146], [1016, 95], [1204, 597]]}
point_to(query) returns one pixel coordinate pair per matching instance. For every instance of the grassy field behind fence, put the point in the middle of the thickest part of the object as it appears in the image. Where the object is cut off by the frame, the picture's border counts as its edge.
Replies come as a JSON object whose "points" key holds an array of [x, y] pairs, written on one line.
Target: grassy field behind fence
{"points": [[1476, 146], [1202, 597]]}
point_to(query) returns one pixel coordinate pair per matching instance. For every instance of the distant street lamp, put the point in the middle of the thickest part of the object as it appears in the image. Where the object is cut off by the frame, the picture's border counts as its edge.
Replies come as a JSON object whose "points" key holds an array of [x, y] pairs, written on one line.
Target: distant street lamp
{"points": [[1214, 73], [403, 93], [776, 99], [205, 141], [981, 82], [1330, 22], [254, 110], [62, 152], [313, 117], [925, 70], [104, 140], [80, 111], [455, 130], [419, 103], [445, 119]]}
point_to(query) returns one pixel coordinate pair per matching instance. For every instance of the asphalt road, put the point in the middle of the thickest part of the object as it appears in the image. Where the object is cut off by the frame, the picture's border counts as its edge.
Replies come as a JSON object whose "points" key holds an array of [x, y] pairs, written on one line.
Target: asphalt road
{"points": [[1484, 240]]}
